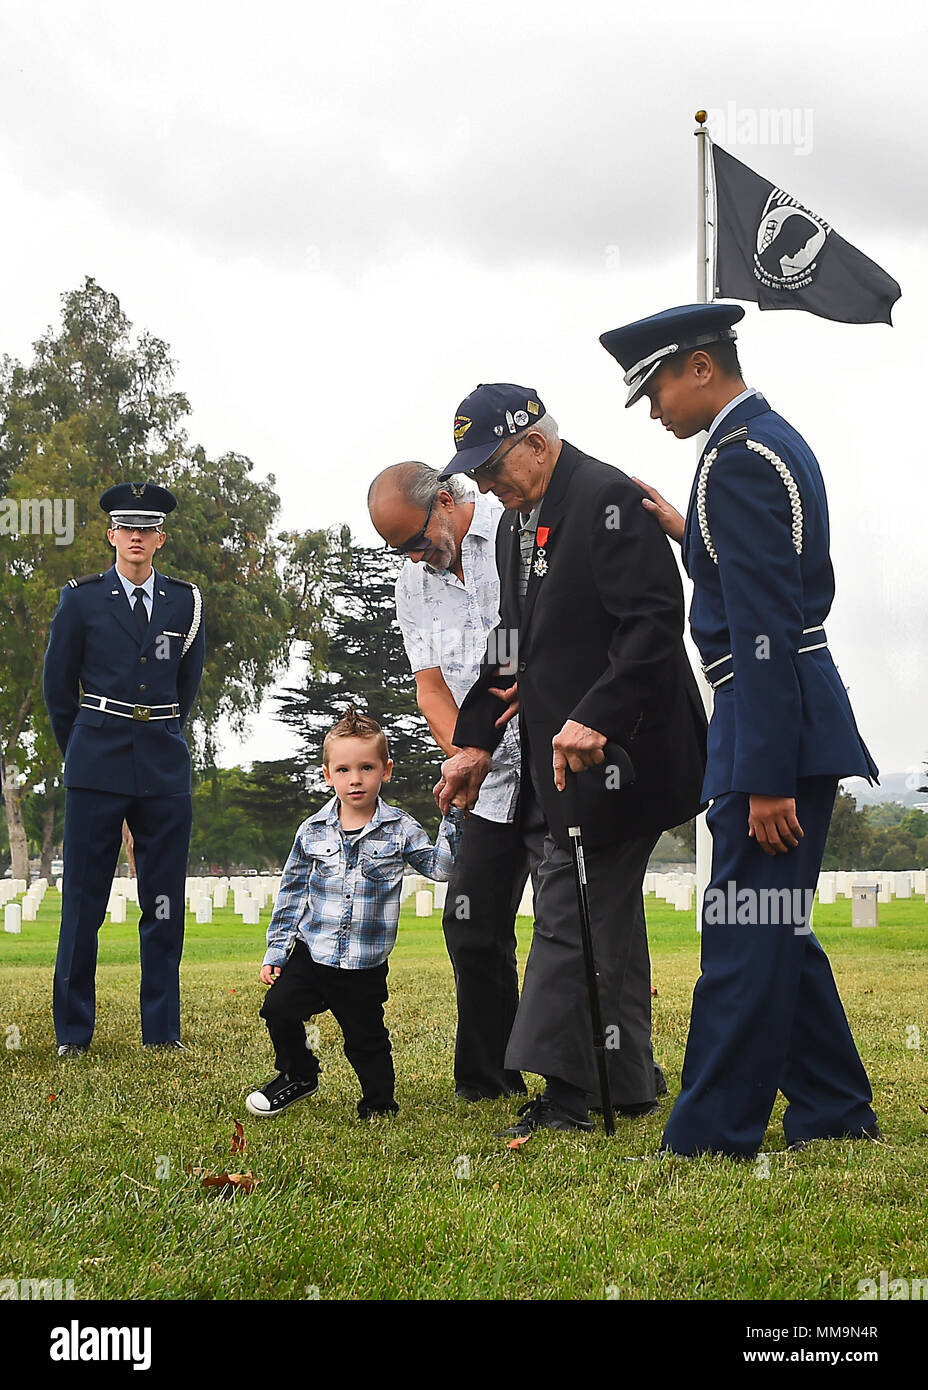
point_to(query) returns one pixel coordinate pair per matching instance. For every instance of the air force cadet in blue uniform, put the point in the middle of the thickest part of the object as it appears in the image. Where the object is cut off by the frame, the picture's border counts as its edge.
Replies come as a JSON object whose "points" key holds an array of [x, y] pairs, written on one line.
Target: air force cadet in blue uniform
{"points": [[766, 1012], [124, 660]]}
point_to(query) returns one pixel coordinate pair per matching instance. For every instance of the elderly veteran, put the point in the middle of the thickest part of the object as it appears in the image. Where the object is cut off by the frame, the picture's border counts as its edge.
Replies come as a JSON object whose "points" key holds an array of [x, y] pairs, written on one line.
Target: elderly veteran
{"points": [[591, 596], [447, 603]]}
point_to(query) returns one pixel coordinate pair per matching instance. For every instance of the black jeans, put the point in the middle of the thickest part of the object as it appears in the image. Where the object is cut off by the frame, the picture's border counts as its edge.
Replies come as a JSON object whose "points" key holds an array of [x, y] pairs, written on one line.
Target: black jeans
{"points": [[355, 998], [479, 925]]}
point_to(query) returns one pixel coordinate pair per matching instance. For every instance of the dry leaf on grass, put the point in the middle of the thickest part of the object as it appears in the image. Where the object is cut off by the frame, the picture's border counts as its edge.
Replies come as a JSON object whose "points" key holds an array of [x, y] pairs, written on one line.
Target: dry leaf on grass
{"points": [[519, 1141], [232, 1182], [239, 1142]]}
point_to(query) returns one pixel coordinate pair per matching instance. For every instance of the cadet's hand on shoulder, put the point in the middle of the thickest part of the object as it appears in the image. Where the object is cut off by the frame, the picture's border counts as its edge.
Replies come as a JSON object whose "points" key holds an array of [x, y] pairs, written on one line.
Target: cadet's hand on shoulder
{"points": [[670, 519], [269, 974], [772, 823], [577, 747]]}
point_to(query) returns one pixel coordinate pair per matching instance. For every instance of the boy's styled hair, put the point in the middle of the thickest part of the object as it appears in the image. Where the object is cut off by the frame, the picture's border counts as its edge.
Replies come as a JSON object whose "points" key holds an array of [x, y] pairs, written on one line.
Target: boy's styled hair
{"points": [[354, 724]]}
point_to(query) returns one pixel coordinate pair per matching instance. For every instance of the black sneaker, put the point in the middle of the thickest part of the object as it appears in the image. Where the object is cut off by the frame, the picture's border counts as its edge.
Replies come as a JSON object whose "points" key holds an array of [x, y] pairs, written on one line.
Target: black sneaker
{"points": [[71, 1049], [366, 1111], [278, 1094], [542, 1113]]}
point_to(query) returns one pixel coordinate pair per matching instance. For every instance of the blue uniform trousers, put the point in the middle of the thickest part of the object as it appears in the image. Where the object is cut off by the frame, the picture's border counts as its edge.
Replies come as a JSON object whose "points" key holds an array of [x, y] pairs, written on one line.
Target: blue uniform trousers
{"points": [[766, 1012], [160, 826]]}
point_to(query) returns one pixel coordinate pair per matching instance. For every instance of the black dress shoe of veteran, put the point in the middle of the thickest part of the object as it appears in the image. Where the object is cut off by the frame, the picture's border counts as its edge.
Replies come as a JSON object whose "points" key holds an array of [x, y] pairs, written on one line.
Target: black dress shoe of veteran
{"points": [[472, 1094], [871, 1132], [71, 1049], [542, 1113], [630, 1112]]}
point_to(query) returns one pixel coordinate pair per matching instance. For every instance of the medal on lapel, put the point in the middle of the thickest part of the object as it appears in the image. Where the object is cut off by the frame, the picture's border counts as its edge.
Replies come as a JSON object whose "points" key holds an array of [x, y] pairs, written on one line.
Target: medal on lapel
{"points": [[541, 560]]}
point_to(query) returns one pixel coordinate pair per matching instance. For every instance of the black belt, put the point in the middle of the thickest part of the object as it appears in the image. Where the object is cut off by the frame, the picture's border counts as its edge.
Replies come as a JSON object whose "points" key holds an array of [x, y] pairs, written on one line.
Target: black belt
{"points": [[127, 711], [722, 670]]}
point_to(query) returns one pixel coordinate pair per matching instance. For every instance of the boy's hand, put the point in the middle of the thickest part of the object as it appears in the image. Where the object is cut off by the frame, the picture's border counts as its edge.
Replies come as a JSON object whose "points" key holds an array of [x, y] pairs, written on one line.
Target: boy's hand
{"points": [[269, 974]]}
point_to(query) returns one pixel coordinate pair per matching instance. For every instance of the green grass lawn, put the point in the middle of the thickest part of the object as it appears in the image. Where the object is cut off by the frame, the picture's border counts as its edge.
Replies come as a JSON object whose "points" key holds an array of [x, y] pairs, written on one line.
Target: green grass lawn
{"points": [[94, 1152]]}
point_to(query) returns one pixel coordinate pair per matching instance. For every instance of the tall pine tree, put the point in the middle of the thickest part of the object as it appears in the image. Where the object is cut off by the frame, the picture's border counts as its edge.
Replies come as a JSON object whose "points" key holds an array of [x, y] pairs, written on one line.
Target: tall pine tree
{"points": [[366, 667]]}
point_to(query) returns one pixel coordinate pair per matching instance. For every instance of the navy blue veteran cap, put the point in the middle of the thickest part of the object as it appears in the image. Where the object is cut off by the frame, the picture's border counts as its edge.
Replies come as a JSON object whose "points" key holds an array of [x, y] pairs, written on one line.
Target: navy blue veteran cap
{"points": [[485, 418], [137, 504], [643, 346]]}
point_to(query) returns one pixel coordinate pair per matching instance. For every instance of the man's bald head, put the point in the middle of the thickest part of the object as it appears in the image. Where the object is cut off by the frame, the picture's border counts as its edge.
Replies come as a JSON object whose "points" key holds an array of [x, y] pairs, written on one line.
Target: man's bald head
{"points": [[407, 500]]}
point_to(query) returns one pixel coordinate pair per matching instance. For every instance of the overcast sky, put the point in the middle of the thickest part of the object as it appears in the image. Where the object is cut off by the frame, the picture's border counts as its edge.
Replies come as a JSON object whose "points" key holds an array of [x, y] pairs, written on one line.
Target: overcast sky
{"points": [[342, 218]]}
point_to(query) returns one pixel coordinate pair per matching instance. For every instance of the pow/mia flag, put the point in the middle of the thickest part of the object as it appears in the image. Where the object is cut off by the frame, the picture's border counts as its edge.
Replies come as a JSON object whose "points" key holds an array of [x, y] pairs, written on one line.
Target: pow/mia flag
{"points": [[772, 250]]}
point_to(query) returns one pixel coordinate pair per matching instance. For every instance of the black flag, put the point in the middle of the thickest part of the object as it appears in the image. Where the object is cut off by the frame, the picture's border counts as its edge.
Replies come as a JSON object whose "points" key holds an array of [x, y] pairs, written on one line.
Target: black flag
{"points": [[772, 250]]}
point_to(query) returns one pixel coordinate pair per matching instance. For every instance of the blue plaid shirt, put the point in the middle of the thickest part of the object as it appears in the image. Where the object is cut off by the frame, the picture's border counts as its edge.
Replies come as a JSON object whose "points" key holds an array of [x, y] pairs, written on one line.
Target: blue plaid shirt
{"points": [[343, 895]]}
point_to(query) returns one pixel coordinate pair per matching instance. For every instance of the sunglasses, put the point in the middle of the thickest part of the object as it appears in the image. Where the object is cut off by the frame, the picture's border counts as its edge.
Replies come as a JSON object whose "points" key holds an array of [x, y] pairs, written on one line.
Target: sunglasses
{"points": [[488, 469], [419, 542]]}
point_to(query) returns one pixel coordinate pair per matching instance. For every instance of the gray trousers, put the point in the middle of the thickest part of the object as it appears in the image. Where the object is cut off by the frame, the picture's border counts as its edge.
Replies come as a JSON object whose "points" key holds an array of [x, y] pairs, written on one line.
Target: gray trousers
{"points": [[552, 1033]]}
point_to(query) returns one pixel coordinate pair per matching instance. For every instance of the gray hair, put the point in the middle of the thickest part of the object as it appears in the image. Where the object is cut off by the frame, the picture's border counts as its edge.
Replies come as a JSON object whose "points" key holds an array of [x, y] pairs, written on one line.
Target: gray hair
{"points": [[420, 484]]}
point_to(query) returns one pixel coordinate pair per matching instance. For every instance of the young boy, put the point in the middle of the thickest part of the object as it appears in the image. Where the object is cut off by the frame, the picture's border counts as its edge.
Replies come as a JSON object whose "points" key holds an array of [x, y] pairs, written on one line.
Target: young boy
{"points": [[334, 922]]}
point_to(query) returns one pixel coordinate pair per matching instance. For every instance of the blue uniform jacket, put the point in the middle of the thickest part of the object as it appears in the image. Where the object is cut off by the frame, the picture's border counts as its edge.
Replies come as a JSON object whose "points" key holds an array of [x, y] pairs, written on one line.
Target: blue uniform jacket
{"points": [[94, 646], [756, 545]]}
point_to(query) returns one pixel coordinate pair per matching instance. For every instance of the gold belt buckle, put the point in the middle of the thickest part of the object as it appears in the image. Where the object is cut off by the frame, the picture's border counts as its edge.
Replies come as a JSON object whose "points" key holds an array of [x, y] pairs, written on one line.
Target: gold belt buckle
{"points": [[141, 711]]}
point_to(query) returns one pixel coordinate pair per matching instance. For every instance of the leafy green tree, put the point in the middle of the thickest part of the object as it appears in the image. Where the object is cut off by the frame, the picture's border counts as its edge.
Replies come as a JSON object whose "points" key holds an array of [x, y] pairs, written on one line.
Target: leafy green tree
{"points": [[95, 406], [367, 667], [849, 836], [275, 798], [915, 822], [884, 813], [43, 817]]}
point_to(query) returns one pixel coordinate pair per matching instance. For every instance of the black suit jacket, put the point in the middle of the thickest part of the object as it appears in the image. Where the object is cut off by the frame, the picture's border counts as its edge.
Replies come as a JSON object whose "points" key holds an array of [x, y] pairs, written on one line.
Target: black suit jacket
{"points": [[600, 640]]}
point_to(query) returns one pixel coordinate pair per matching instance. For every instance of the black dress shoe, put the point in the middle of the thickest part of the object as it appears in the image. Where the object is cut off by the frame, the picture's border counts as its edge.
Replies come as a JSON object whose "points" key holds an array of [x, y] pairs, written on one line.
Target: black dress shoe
{"points": [[473, 1094], [872, 1132], [175, 1045], [542, 1113], [71, 1049]]}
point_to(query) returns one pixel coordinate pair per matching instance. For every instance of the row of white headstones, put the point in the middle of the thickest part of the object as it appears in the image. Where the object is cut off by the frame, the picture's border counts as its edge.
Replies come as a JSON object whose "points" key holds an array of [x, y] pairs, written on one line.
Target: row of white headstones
{"points": [[252, 894], [678, 889]]}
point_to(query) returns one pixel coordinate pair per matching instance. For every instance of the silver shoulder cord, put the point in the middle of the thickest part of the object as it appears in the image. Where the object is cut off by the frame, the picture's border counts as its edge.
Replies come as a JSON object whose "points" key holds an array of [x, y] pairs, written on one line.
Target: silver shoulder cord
{"points": [[195, 625], [789, 482]]}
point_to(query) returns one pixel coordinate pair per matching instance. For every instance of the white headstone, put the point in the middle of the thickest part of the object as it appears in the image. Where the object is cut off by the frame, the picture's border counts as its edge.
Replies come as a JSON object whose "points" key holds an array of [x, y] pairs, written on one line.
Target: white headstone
{"points": [[423, 903], [527, 901], [826, 889], [204, 909], [864, 905], [118, 909], [440, 892], [221, 895], [12, 917], [251, 913], [903, 885], [28, 909], [683, 897]]}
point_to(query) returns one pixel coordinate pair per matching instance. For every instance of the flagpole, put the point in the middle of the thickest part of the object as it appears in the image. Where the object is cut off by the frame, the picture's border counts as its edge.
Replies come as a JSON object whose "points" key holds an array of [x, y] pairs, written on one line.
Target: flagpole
{"points": [[701, 133], [703, 838]]}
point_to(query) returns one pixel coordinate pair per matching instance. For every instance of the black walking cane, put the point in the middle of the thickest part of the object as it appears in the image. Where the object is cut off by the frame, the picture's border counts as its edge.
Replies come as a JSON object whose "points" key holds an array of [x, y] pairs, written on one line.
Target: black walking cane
{"points": [[617, 758]]}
